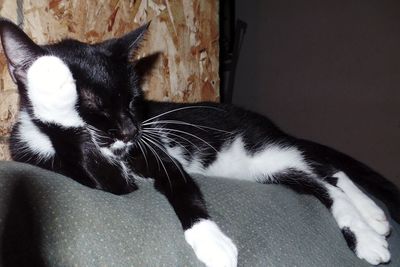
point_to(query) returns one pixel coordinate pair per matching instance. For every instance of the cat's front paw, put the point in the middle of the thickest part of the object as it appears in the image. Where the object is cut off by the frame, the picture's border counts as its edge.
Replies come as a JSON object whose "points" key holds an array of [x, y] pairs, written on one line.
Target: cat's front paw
{"points": [[376, 218], [210, 245], [372, 247], [52, 92]]}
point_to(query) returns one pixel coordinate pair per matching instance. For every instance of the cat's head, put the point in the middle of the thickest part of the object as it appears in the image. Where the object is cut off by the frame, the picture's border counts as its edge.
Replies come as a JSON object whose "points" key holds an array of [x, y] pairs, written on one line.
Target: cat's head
{"points": [[109, 96]]}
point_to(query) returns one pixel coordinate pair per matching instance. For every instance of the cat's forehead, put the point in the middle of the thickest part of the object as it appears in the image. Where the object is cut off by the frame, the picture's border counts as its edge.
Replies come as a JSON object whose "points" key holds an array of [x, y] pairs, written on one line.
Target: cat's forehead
{"points": [[72, 47], [89, 64], [76, 53]]}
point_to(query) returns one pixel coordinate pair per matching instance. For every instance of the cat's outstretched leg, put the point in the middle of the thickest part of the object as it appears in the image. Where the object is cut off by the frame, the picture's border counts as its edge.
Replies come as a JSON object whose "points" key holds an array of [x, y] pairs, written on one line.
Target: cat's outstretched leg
{"points": [[209, 243], [359, 235], [372, 213]]}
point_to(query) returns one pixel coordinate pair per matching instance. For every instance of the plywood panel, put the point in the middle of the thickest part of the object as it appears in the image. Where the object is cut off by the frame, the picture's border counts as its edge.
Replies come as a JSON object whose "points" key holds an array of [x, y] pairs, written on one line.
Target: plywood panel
{"points": [[184, 33]]}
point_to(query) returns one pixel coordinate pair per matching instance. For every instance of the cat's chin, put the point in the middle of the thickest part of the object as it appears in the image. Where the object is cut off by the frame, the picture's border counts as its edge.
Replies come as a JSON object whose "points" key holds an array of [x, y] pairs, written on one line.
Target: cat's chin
{"points": [[117, 149]]}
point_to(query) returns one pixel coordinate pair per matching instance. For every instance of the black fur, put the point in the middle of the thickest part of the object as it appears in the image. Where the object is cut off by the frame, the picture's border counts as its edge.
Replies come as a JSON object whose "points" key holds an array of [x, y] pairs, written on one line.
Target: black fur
{"points": [[350, 238]]}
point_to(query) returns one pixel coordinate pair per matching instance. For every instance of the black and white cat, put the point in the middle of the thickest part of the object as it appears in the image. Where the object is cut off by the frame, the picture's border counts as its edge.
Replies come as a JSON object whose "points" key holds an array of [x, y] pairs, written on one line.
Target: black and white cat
{"points": [[82, 114]]}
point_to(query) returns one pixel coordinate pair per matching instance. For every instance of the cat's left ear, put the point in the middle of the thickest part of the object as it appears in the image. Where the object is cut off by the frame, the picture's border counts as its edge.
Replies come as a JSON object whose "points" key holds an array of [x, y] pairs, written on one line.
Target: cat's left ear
{"points": [[19, 49], [128, 44]]}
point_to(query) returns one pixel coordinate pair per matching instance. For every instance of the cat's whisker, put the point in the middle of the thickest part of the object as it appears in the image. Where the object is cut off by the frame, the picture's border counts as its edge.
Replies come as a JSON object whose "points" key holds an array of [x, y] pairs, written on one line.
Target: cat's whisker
{"points": [[159, 135], [159, 145], [145, 144], [93, 131], [144, 153], [193, 135], [165, 169], [162, 164], [201, 127], [178, 109], [97, 136], [162, 133]]}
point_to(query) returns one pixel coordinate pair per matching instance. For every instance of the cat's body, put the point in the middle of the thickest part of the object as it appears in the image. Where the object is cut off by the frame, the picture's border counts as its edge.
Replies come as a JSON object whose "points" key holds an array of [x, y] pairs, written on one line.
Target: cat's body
{"points": [[82, 115]]}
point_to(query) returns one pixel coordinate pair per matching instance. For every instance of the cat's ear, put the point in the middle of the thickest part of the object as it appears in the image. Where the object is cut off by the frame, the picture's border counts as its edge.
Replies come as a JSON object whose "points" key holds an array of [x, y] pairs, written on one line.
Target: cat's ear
{"points": [[19, 49], [128, 44]]}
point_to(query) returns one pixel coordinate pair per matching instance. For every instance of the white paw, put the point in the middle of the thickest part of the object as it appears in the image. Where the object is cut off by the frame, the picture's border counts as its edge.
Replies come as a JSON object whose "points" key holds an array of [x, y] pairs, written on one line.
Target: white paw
{"points": [[210, 245], [372, 213], [378, 221], [372, 247], [375, 217], [52, 92]]}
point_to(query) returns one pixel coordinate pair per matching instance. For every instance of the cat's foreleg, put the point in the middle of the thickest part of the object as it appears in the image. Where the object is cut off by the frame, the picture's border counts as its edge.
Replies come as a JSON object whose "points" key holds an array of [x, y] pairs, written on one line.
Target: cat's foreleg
{"points": [[209, 243], [360, 236]]}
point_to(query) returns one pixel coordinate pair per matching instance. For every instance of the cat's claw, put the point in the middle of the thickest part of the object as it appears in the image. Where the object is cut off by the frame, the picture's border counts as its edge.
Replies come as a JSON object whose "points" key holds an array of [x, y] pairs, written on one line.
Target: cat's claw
{"points": [[210, 245]]}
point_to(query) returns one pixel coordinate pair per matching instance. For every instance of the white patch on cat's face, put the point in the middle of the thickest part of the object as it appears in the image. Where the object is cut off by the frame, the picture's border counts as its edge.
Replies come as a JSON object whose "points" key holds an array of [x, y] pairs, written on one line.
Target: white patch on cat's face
{"points": [[120, 147], [116, 149], [211, 245], [38, 142], [52, 92]]}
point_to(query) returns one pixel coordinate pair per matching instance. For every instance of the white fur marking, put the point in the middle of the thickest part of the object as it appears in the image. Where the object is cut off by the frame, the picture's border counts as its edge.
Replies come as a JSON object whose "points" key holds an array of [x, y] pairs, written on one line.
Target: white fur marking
{"points": [[52, 92], [118, 145], [177, 153], [373, 214], [192, 166], [38, 142], [370, 245], [108, 154], [234, 162], [211, 246]]}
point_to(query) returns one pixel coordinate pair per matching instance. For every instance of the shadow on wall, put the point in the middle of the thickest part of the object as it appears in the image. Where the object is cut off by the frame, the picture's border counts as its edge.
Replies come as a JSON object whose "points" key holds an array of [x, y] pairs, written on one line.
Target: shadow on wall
{"points": [[326, 71]]}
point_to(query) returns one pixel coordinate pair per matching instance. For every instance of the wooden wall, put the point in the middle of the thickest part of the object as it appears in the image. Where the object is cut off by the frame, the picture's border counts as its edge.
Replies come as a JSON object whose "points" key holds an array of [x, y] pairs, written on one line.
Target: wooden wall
{"points": [[184, 32]]}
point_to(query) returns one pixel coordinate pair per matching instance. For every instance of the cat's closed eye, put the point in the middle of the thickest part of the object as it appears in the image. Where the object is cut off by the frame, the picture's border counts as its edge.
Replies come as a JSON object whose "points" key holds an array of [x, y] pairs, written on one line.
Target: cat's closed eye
{"points": [[90, 100]]}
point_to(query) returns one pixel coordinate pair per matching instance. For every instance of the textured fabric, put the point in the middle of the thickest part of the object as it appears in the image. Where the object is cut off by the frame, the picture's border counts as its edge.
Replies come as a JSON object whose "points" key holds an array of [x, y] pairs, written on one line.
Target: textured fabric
{"points": [[49, 220]]}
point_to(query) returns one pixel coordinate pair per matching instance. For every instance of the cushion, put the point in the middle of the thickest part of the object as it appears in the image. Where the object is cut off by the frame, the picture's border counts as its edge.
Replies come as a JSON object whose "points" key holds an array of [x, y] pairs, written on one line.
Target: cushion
{"points": [[47, 219]]}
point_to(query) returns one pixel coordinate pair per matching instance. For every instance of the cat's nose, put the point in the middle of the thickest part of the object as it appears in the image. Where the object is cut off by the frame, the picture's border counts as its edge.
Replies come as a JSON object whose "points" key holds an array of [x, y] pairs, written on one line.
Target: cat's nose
{"points": [[128, 134]]}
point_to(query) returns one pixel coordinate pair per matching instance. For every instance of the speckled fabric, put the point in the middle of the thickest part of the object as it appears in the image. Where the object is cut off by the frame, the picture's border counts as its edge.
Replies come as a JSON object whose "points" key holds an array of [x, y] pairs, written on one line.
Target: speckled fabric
{"points": [[49, 220]]}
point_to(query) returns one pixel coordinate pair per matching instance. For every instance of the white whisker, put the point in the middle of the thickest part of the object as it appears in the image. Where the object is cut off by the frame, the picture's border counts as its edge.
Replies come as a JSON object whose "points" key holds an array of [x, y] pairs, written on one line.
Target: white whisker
{"points": [[156, 143], [172, 134], [162, 164], [159, 135], [144, 153], [152, 151], [201, 127], [193, 135], [178, 109]]}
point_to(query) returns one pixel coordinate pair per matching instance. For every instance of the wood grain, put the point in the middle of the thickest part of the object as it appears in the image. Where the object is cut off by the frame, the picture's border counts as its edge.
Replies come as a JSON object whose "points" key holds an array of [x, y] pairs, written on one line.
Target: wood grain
{"points": [[183, 33]]}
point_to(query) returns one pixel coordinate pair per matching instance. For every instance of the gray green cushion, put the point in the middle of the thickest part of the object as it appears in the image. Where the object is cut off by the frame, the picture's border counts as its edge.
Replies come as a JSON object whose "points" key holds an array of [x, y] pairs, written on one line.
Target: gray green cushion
{"points": [[47, 219]]}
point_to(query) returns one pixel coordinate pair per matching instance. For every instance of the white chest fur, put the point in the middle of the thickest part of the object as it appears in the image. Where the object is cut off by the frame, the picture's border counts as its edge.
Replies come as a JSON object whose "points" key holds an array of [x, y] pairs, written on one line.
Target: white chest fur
{"points": [[30, 135]]}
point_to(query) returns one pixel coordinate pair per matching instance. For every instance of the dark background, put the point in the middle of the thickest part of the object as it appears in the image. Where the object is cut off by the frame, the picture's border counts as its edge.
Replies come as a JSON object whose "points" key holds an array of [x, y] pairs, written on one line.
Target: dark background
{"points": [[328, 71]]}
